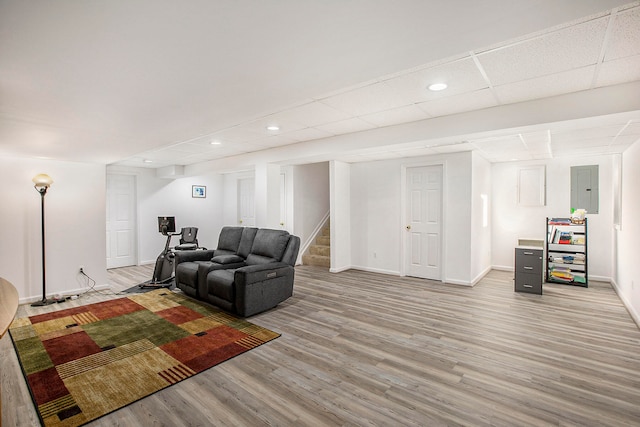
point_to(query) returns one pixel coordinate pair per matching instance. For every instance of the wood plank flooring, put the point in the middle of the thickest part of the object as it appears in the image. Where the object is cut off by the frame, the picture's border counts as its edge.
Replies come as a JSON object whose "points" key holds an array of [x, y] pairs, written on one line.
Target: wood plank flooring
{"points": [[360, 348]]}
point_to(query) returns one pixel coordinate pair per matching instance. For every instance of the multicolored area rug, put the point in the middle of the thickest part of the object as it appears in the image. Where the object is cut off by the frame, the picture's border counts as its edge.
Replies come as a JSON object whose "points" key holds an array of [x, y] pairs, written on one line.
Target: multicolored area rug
{"points": [[84, 362]]}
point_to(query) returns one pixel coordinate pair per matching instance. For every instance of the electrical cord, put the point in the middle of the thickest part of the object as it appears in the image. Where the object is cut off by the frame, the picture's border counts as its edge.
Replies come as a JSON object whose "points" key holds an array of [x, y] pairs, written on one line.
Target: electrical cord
{"points": [[92, 286]]}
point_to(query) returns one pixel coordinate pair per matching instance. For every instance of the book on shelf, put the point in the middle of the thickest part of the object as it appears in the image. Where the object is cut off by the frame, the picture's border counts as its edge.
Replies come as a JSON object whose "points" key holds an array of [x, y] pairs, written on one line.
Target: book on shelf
{"points": [[577, 240], [565, 238], [559, 221]]}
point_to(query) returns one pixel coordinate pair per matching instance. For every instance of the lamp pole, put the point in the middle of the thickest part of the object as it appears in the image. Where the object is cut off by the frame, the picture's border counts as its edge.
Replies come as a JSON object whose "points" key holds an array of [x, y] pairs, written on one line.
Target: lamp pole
{"points": [[42, 183]]}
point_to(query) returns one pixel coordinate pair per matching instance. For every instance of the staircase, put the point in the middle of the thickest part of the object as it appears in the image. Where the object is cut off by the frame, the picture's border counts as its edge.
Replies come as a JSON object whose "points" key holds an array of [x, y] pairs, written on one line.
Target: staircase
{"points": [[320, 252]]}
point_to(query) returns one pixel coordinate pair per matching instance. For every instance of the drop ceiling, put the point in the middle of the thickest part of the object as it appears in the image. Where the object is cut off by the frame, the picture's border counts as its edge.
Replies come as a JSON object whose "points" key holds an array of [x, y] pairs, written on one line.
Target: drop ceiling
{"points": [[154, 84]]}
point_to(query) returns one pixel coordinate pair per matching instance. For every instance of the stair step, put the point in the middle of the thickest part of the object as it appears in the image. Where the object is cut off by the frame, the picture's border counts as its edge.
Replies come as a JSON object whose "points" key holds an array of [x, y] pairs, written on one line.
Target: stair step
{"points": [[323, 240], [326, 231], [323, 261], [320, 250]]}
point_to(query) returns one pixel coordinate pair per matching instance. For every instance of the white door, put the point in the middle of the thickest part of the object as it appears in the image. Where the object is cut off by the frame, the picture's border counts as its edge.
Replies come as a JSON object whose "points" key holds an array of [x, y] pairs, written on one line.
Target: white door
{"points": [[424, 222], [246, 204], [121, 220]]}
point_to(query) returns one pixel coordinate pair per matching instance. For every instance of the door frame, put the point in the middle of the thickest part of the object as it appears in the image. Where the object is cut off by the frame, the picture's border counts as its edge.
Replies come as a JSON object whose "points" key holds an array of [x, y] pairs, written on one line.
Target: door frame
{"points": [[403, 215]]}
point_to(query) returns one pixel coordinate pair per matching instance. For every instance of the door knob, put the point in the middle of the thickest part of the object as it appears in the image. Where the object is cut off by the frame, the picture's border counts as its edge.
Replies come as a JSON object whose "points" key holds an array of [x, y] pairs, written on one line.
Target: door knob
{"points": [[408, 227]]}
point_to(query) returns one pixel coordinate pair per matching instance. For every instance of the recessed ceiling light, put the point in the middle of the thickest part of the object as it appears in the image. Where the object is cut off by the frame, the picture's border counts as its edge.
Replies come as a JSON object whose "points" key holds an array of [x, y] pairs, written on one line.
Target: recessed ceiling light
{"points": [[216, 143], [435, 87], [273, 127], [148, 161]]}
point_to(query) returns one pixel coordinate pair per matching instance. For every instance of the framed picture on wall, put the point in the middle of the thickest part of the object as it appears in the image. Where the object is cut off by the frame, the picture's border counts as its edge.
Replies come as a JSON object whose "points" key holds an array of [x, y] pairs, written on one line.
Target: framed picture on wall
{"points": [[198, 191]]}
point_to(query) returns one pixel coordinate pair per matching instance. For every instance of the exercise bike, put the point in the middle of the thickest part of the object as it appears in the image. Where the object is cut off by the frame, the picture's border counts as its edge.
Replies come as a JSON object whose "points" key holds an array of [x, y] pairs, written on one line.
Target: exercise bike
{"points": [[163, 271]]}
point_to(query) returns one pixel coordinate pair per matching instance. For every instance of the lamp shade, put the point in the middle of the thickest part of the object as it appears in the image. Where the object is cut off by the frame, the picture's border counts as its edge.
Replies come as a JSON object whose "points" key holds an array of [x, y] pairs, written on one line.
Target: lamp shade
{"points": [[42, 181]]}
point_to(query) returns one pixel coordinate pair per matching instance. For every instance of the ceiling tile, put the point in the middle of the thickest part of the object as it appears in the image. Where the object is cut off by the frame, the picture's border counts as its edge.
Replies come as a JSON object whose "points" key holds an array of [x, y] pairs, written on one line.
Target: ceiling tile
{"points": [[275, 141], [236, 134], [461, 76], [577, 135], [408, 113], [312, 114], [573, 47], [366, 100], [546, 86], [632, 128], [619, 71], [625, 139], [259, 126], [586, 151], [346, 126], [625, 37], [459, 103], [308, 134], [618, 148], [579, 145]]}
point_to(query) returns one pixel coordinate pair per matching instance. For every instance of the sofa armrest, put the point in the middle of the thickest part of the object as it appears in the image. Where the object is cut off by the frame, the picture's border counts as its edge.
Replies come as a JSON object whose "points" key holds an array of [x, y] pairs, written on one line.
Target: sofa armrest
{"points": [[195, 255], [263, 286]]}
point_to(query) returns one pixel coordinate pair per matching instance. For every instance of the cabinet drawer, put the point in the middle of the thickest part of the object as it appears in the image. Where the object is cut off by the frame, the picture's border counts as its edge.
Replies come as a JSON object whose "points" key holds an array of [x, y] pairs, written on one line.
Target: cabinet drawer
{"points": [[529, 261], [529, 282]]}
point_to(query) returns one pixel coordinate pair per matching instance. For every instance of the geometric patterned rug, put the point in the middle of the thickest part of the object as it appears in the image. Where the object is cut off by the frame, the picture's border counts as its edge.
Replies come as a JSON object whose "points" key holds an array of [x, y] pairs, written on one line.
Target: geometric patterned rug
{"points": [[85, 362]]}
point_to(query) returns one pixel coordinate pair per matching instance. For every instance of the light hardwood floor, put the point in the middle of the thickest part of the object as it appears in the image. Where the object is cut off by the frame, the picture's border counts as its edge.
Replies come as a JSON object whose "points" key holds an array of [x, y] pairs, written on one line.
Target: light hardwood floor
{"points": [[360, 348]]}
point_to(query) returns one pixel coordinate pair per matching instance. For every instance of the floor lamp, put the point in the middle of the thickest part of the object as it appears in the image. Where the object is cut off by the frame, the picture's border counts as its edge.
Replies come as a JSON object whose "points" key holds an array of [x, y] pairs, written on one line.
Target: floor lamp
{"points": [[42, 183]]}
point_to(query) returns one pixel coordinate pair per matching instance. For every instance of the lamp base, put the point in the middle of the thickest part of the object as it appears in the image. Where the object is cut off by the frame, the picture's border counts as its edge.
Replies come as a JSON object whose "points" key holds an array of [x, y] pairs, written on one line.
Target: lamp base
{"points": [[44, 302]]}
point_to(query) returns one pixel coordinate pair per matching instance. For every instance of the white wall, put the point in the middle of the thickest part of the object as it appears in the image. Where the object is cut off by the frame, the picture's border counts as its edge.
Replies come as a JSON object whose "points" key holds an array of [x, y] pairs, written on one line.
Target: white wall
{"points": [[172, 197], [75, 220], [625, 271], [480, 235], [267, 195], [376, 220], [377, 226], [510, 221], [340, 206], [310, 198]]}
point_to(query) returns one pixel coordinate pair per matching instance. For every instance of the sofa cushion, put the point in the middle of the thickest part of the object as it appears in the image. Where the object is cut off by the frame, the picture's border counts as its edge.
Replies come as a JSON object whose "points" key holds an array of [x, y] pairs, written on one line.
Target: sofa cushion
{"points": [[187, 273], [268, 246], [220, 284], [246, 242], [227, 259], [229, 239]]}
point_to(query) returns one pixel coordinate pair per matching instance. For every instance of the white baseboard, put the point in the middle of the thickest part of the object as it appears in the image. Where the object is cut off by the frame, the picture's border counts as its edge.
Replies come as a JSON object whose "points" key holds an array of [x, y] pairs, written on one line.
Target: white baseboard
{"points": [[376, 270], [340, 269], [627, 304], [503, 267], [66, 293], [600, 278], [480, 276], [457, 282]]}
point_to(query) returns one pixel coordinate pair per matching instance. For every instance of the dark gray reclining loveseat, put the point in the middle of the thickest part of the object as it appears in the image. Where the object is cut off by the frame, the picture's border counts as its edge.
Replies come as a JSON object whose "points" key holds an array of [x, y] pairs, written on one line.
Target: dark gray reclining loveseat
{"points": [[251, 271]]}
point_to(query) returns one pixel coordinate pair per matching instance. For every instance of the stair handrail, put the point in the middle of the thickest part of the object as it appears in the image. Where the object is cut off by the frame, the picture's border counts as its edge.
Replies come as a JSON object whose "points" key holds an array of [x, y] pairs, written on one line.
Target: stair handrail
{"points": [[314, 234]]}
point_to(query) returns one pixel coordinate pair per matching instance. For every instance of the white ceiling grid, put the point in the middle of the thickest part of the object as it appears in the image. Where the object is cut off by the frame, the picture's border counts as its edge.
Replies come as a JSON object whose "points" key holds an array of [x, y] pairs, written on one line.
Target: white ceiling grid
{"points": [[599, 50], [596, 51]]}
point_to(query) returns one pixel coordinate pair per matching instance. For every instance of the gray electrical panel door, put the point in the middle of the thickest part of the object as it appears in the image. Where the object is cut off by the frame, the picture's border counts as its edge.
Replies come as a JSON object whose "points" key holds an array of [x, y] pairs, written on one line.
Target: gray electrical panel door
{"points": [[584, 188]]}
